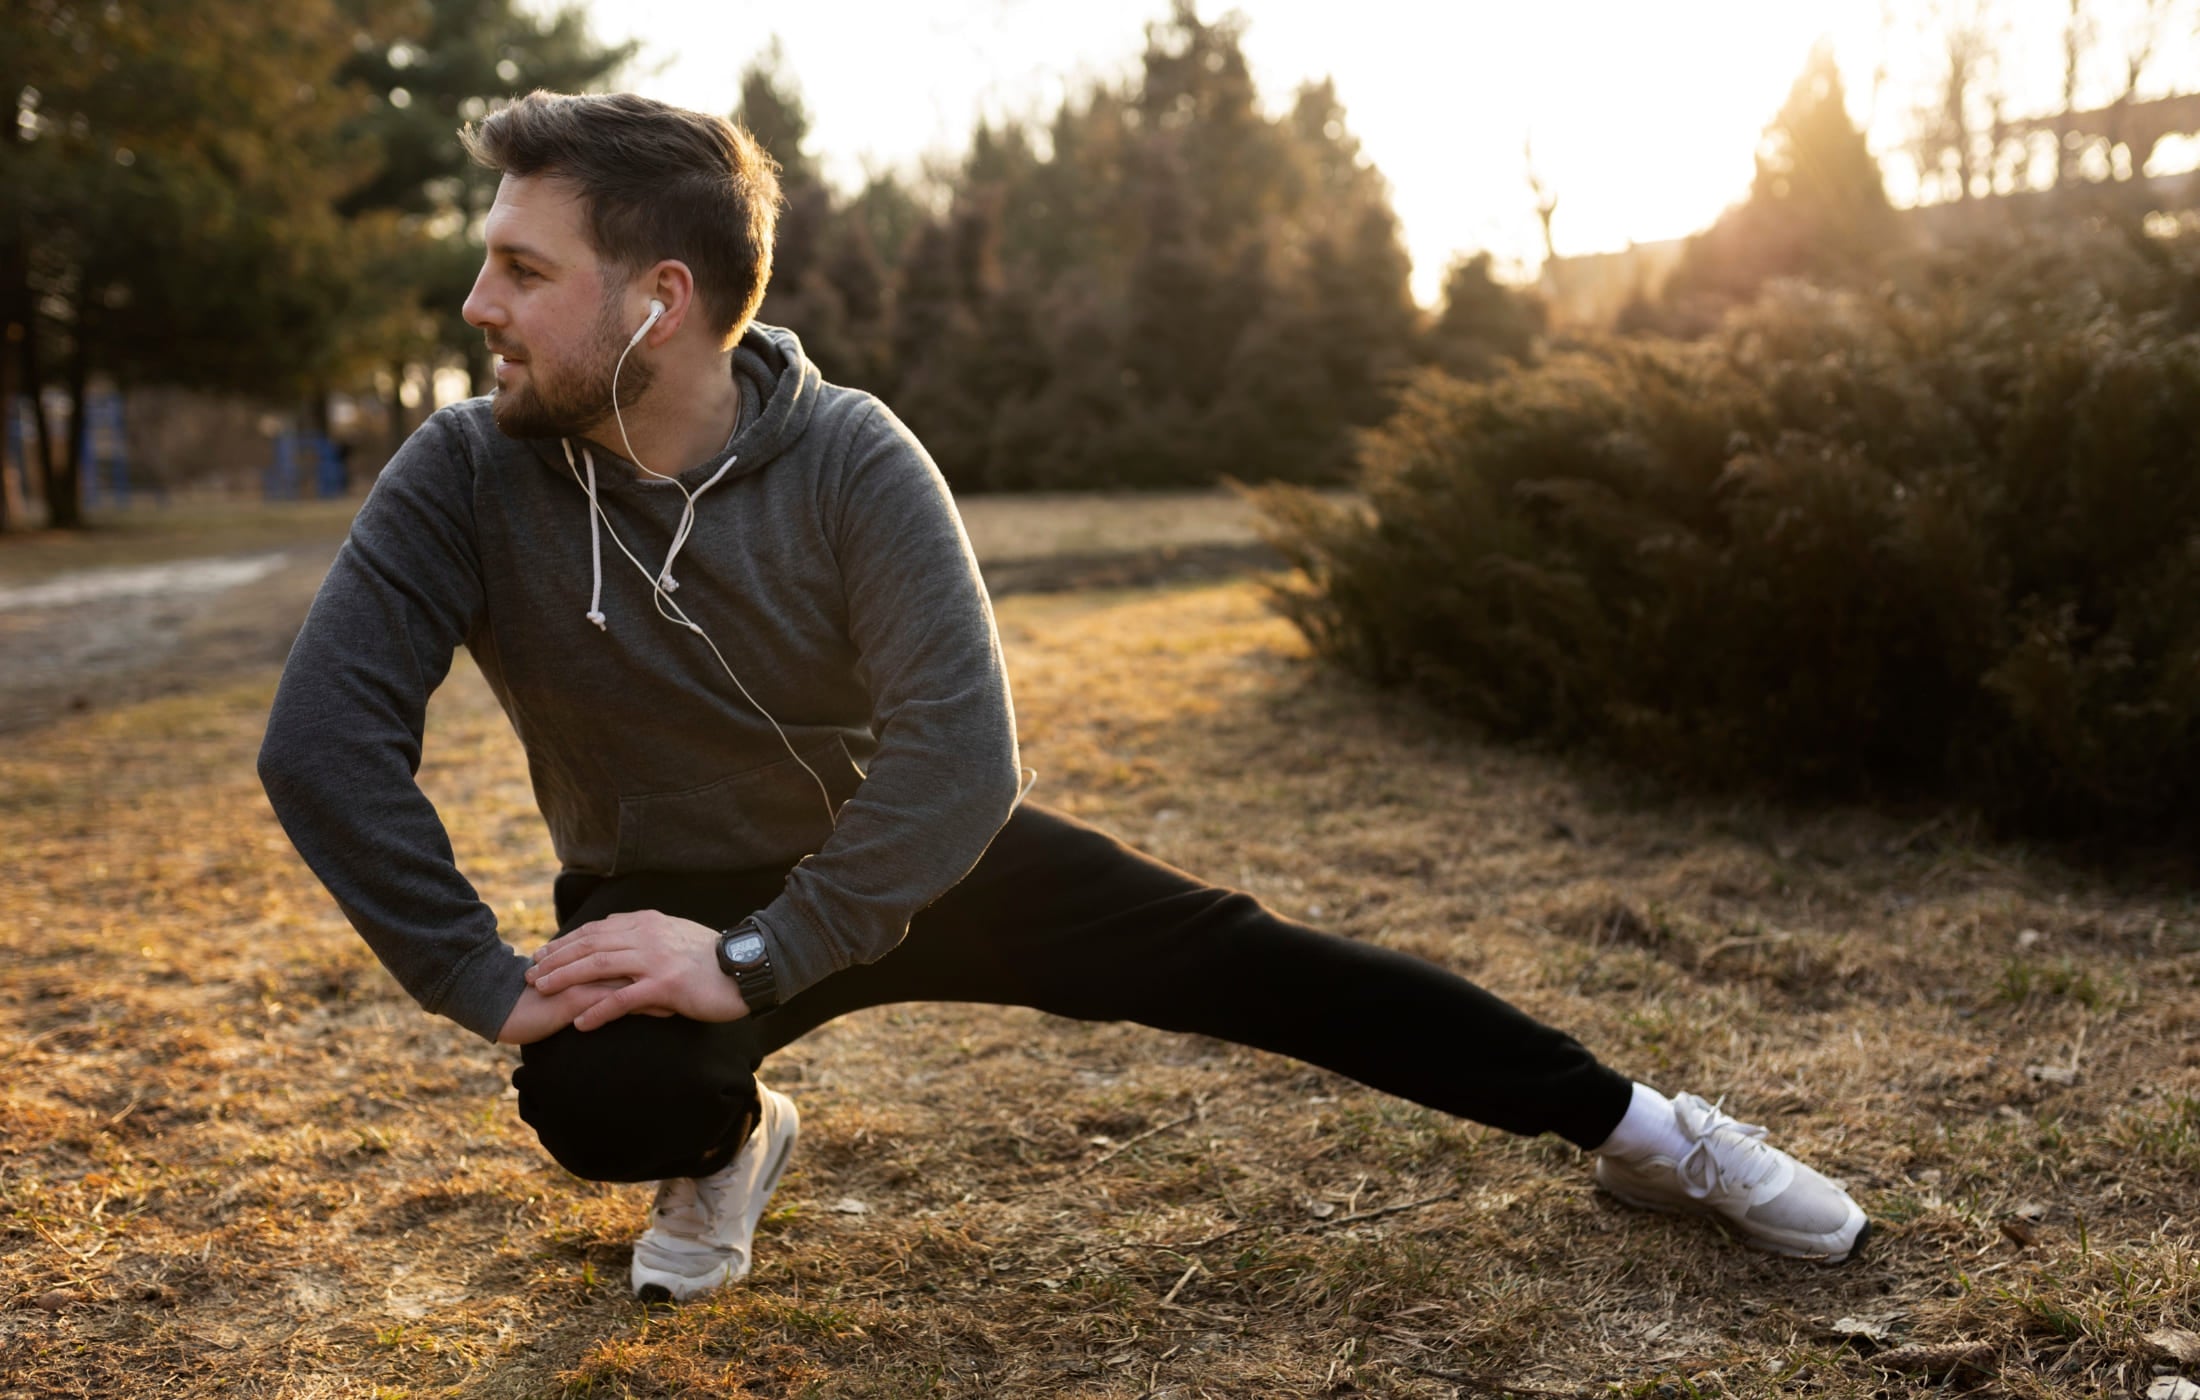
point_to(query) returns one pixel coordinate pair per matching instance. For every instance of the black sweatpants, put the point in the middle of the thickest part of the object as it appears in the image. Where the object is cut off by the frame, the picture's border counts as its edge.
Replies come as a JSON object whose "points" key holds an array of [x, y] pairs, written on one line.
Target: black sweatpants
{"points": [[1063, 917]]}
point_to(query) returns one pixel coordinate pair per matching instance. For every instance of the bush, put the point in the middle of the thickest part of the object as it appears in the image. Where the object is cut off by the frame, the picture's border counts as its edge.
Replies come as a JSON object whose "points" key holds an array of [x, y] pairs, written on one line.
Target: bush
{"points": [[1942, 539]]}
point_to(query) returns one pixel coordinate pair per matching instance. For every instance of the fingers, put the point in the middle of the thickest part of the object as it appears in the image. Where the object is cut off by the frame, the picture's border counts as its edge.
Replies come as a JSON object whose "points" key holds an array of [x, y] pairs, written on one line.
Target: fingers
{"points": [[610, 929], [538, 1015], [601, 966], [640, 929], [645, 962], [627, 998], [552, 956]]}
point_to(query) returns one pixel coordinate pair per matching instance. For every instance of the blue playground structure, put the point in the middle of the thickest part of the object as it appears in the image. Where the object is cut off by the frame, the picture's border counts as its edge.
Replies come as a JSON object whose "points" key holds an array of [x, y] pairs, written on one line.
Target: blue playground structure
{"points": [[105, 448], [299, 454], [303, 461]]}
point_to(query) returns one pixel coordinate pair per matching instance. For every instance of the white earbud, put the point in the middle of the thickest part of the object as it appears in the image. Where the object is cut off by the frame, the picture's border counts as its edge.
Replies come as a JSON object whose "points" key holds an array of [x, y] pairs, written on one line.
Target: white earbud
{"points": [[656, 309]]}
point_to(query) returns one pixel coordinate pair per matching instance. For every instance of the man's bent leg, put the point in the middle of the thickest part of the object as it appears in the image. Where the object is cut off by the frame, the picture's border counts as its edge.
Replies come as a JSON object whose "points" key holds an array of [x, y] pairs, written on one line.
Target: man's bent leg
{"points": [[647, 1098], [1063, 917]]}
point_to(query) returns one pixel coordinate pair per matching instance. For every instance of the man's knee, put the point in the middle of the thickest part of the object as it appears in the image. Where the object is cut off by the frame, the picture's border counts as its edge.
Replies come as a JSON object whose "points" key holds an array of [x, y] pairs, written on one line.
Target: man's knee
{"points": [[640, 1099]]}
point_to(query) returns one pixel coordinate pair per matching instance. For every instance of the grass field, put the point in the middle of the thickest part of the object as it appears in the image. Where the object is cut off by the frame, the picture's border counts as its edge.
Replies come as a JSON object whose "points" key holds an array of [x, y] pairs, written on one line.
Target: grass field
{"points": [[235, 1160]]}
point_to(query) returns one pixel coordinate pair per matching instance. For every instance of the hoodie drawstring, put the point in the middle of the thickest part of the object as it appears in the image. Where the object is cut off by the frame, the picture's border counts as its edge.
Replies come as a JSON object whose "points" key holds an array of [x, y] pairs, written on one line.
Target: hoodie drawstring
{"points": [[661, 586], [687, 527], [595, 533], [664, 582]]}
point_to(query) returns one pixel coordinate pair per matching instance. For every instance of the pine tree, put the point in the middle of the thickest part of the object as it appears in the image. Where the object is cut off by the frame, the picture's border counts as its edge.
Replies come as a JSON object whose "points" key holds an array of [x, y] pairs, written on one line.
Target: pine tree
{"points": [[772, 110], [1163, 287], [171, 200], [1483, 325], [434, 65], [1817, 208]]}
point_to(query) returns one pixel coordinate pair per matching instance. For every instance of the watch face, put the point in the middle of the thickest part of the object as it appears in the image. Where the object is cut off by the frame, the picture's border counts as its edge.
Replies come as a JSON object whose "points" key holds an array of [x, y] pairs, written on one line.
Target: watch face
{"points": [[746, 948]]}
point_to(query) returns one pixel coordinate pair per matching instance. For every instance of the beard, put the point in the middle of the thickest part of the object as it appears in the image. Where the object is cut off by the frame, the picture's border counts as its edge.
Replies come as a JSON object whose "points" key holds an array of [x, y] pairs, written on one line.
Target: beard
{"points": [[568, 396]]}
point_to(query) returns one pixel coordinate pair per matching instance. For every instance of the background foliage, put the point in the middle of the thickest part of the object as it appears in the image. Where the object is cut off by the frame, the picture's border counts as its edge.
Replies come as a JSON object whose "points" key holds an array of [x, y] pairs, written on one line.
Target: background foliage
{"points": [[1938, 537], [1162, 285], [192, 196], [1816, 210]]}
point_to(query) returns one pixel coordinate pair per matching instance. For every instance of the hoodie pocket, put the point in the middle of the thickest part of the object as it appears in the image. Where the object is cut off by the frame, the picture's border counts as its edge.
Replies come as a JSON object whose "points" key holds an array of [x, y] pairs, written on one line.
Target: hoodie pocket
{"points": [[773, 815]]}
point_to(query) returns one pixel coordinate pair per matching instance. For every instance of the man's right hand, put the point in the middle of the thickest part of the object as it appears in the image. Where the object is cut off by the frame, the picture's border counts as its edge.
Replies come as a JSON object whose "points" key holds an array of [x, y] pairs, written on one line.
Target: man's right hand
{"points": [[537, 1017]]}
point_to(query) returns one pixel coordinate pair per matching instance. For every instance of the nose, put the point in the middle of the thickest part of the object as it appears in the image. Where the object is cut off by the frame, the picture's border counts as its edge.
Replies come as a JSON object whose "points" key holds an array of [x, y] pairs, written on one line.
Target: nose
{"points": [[480, 310]]}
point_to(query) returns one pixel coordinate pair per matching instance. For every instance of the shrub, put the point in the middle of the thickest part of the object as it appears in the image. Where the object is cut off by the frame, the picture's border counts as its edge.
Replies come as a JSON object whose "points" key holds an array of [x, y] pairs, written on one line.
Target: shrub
{"points": [[1941, 539]]}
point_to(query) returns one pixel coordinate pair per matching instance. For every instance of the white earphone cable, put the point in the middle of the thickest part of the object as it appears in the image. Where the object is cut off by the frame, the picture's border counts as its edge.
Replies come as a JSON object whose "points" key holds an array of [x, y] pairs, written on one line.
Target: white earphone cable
{"points": [[661, 583], [679, 618]]}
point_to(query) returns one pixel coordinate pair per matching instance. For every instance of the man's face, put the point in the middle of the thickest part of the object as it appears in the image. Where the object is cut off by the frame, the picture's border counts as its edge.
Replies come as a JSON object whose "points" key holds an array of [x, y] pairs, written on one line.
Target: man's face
{"points": [[544, 306]]}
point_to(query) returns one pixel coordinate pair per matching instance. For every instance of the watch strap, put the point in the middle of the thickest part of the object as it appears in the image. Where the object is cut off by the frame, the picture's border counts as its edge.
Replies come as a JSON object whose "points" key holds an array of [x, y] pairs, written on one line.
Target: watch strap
{"points": [[758, 982]]}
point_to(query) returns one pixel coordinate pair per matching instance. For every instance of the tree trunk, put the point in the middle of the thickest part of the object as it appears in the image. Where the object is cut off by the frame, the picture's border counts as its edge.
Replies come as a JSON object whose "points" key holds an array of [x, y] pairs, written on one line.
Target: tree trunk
{"points": [[18, 374], [64, 507], [15, 313], [2073, 50], [33, 385], [8, 367]]}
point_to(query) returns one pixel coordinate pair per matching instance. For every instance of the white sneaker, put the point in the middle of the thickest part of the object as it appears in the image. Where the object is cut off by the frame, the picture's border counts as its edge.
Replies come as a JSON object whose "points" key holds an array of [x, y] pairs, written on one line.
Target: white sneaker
{"points": [[701, 1227], [1771, 1200]]}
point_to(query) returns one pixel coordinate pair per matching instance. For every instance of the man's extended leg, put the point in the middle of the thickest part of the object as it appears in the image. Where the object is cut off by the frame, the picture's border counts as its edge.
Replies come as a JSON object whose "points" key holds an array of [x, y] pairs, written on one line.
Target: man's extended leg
{"points": [[1061, 916]]}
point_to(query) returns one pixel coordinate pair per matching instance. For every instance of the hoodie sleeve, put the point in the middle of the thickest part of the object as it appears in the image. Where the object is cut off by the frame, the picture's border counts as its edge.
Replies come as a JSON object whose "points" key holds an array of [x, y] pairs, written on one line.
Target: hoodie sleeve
{"points": [[946, 774], [343, 741]]}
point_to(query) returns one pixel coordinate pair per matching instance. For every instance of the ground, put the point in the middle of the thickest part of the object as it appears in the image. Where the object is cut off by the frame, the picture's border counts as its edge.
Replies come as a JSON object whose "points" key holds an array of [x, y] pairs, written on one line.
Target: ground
{"points": [[235, 1159]]}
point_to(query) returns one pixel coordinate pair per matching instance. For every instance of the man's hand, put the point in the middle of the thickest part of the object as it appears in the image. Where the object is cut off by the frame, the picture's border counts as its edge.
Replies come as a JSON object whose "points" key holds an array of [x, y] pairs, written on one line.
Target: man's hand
{"points": [[537, 1017], [669, 966]]}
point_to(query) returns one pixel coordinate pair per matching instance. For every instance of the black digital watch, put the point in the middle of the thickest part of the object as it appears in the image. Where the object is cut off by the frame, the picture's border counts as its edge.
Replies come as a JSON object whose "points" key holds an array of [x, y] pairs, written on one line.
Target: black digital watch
{"points": [[743, 957]]}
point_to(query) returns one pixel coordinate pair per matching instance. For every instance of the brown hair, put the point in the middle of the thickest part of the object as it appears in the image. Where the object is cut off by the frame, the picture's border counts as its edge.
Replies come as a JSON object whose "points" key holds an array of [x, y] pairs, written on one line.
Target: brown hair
{"points": [[658, 182]]}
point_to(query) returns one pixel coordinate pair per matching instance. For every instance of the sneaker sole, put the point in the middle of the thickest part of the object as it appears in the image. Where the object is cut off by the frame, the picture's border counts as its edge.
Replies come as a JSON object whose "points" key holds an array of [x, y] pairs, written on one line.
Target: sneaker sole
{"points": [[696, 1285], [1662, 1207]]}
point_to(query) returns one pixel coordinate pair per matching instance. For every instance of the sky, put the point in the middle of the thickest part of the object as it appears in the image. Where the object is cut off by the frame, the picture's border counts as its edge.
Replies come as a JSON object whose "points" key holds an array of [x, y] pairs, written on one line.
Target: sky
{"points": [[1643, 115]]}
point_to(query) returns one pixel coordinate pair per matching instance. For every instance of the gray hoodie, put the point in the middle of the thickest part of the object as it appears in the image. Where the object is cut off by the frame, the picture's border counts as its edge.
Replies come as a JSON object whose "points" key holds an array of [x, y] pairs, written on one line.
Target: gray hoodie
{"points": [[827, 564]]}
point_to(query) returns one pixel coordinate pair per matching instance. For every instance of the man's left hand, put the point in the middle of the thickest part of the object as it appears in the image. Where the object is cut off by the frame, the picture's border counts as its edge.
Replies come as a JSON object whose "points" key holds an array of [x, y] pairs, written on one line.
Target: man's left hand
{"points": [[671, 966]]}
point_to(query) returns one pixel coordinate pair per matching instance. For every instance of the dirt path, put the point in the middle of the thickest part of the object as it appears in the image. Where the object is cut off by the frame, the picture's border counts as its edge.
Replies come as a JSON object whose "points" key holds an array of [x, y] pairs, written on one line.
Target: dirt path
{"points": [[110, 637]]}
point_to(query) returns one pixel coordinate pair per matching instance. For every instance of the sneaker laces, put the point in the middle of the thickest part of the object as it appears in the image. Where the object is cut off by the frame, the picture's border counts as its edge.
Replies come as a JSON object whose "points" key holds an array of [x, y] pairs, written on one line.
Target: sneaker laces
{"points": [[1704, 1172]]}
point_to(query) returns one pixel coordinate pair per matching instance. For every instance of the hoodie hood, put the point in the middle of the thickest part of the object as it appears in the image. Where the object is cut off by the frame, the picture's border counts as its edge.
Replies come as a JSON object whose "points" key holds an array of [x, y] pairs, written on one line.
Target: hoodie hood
{"points": [[779, 390]]}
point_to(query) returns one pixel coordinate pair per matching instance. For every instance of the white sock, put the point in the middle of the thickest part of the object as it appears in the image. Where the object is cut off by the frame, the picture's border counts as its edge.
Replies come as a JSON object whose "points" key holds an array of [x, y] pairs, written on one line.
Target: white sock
{"points": [[1647, 1130]]}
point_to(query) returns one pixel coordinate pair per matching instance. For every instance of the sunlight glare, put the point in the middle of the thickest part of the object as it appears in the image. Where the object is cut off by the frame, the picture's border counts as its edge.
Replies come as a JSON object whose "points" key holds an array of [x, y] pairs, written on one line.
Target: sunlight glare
{"points": [[1644, 115]]}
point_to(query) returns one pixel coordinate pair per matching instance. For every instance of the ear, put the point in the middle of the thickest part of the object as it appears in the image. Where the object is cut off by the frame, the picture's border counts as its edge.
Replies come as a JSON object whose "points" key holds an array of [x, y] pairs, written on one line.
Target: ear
{"points": [[671, 283]]}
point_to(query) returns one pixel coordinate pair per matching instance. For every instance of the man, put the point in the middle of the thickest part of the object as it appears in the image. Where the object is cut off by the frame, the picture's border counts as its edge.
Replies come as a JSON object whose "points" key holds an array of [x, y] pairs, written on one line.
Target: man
{"points": [[731, 613]]}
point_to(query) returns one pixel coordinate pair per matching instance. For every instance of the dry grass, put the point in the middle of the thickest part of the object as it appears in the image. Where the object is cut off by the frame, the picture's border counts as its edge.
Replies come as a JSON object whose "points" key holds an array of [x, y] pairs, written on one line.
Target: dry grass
{"points": [[234, 1160], [1047, 523]]}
